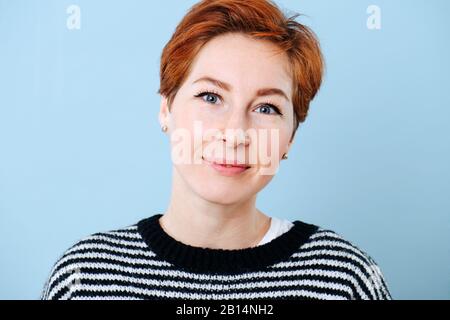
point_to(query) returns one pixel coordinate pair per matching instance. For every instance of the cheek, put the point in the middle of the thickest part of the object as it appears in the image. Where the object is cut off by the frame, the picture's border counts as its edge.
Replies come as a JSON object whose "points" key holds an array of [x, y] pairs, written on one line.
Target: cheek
{"points": [[273, 142], [182, 135], [285, 136]]}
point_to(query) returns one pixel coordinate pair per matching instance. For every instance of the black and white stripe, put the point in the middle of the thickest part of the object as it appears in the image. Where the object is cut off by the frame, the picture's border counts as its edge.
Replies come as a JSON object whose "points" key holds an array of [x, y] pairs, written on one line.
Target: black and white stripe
{"points": [[121, 265]]}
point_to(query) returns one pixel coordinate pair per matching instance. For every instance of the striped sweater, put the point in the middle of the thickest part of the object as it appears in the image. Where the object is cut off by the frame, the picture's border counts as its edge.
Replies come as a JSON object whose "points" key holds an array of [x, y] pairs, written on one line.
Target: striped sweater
{"points": [[143, 262]]}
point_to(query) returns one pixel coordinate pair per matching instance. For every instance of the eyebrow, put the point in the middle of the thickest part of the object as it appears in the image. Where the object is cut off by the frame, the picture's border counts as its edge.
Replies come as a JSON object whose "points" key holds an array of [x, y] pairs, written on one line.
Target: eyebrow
{"points": [[227, 87]]}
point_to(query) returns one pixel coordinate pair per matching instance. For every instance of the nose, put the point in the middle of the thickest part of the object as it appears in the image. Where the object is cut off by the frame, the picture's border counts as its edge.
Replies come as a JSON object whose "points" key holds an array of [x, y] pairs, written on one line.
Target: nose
{"points": [[235, 137], [235, 130]]}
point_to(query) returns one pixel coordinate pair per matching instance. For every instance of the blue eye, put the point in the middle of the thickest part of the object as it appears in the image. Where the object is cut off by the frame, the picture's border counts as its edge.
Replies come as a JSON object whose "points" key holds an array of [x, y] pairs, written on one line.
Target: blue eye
{"points": [[208, 97], [269, 109]]}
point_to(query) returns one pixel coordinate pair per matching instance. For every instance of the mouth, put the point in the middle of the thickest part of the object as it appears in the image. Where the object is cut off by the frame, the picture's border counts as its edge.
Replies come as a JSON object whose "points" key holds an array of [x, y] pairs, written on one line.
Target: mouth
{"points": [[227, 168]]}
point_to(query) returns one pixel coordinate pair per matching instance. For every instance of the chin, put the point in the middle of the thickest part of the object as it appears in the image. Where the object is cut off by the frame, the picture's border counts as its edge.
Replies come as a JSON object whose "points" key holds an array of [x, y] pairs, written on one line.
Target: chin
{"points": [[220, 195], [226, 190], [219, 189]]}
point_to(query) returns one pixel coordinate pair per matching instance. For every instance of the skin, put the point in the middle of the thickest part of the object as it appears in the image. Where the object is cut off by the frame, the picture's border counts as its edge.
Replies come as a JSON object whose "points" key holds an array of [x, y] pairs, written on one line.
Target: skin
{"points": [[206, 208]]}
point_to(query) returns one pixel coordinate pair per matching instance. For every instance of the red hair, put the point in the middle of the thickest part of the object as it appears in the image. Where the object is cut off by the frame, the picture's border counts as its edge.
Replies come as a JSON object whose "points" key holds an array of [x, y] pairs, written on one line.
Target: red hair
{"points": [[261, 19]]}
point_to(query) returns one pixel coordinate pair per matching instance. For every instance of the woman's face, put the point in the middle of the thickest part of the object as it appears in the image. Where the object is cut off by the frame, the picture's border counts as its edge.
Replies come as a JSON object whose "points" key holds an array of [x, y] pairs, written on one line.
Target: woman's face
{"points": [[241, 88]]}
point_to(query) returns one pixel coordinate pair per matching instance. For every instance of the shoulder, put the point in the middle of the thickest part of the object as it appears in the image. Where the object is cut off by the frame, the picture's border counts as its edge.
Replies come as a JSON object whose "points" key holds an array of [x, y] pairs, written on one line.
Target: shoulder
{"points": [[109, 250], [342, 261]]}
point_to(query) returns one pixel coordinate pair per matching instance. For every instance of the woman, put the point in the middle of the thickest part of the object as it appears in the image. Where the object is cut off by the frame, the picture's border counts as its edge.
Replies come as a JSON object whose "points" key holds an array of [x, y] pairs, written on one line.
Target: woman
{"points": [[237, 78]]}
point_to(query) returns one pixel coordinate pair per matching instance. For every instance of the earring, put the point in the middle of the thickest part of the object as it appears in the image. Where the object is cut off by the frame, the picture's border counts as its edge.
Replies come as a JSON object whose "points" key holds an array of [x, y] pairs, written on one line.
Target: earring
{"points": [[164, 128], [285, 156]]}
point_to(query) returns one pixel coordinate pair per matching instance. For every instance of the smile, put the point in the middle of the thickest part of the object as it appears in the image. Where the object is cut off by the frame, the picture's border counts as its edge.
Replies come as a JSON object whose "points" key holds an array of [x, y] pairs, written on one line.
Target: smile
{"points": [[226, 169]]}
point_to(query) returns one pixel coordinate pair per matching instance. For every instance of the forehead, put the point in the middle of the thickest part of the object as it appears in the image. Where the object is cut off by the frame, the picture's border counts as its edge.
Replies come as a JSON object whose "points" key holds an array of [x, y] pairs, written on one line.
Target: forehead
{"points": [[243, 62]]}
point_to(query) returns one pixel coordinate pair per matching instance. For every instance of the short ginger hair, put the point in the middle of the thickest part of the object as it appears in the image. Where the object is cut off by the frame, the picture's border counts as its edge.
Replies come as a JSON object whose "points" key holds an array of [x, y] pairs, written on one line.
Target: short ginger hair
{"points": [[260, 19]]}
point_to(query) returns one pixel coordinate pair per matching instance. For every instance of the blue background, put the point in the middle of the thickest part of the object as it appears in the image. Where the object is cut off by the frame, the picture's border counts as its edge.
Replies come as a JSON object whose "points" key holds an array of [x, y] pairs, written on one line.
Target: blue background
{"points": [[81, 150]]}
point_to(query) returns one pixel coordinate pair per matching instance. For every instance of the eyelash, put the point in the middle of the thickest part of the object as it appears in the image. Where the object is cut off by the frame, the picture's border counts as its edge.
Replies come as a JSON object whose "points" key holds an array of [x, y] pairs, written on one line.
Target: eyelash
{"points": [[213, 92]]}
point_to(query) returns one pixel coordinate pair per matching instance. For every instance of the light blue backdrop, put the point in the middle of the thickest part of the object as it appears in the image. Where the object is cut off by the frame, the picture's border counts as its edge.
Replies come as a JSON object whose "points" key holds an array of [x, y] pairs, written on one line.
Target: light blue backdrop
{"points": [[81, 150]]}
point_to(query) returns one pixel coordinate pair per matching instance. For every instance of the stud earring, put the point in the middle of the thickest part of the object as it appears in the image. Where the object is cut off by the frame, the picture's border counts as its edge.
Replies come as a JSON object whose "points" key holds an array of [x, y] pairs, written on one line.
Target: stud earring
{"points": [[285, 156], [164, 128]]}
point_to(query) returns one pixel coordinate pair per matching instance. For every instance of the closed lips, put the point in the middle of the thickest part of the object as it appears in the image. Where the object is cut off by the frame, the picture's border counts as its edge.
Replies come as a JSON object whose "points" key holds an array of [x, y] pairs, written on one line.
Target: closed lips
{"points": [[227, 164]]}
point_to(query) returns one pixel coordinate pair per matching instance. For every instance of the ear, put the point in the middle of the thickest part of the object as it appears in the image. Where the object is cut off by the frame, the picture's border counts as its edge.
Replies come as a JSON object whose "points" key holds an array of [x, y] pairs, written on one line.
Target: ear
{"points": [[164, 113]]}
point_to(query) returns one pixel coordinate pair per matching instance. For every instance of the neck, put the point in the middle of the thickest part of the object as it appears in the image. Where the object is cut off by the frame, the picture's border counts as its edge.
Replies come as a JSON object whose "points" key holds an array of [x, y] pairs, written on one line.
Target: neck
{"points": [[198, 222]]}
